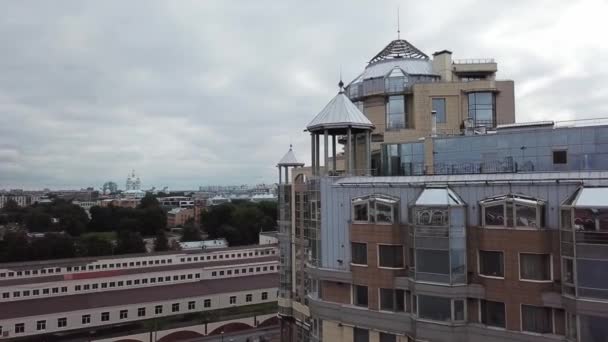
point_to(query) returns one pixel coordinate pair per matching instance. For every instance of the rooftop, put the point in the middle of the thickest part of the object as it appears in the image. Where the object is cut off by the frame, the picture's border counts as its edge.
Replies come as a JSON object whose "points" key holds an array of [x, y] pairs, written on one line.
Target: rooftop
{"points": [[340, 113], [46, 306], [399, 48]]}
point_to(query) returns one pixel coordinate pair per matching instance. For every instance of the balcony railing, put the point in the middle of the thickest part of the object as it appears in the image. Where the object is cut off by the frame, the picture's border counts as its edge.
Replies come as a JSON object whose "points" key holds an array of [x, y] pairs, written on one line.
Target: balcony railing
{"points": [[474, 61]]}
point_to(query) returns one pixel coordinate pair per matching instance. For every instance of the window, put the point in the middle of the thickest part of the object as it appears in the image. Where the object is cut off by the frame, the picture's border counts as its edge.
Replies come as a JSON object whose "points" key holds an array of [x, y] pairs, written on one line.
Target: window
{"points": [[360, 295], [124, 314], [560, 157], [395, 81], [390, 256], [16, 294], [248, 298], [175, 307], [232, 299], [459, 314], [392, 300], [481, 108], [77, 288], [26, 293], [491, 264], [360, 211], [439, 108], [85, 287], [105, 316], [568, 271], [432, 261], [492, 313], [158, 309], [264, 295], [141, 312], [395, 113], [214, 273], [513, 211], [45, 291], [86, 319], [62, 322], [19, 328], [64, 289], [434, 308], [35, 292], [384, 337], [191, 305], [6, 295], [360, 335], [535, 267], [536, 319], [41, 325]]}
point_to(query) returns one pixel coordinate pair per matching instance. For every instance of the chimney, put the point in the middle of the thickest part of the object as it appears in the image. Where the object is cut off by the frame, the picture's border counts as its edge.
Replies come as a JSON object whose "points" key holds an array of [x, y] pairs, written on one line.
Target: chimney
{"points": [[433, 123]]}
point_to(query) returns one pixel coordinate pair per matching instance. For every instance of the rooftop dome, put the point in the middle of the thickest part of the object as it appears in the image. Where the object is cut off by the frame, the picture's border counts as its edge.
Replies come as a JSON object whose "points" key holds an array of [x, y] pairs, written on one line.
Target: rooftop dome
{"points": [[399, 48], [289, 159], [340, 112]]}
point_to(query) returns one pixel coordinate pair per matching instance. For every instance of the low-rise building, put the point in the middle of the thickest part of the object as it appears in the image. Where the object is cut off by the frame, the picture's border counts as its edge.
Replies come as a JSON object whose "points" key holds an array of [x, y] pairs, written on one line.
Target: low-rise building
{"points": [[179, 216]]}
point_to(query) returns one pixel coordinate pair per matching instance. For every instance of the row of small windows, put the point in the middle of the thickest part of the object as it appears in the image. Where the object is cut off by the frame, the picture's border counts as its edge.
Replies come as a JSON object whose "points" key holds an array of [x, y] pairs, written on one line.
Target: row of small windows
{"points": [[532, 267], [133, 264], [124, 314], [243, 270], [121, 283]]}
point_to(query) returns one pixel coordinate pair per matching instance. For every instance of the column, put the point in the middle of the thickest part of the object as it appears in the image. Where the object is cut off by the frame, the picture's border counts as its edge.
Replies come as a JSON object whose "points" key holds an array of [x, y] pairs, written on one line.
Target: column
{"points": [[286, 175], [368, 153], [333, 152], [318, 153], [312, 152], [326, 150], [349, 156], [280, 180]]}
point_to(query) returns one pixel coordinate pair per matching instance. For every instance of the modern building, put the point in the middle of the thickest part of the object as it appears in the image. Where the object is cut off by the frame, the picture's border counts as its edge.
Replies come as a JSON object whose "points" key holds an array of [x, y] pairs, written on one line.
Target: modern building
{"points": [[87, 298], [453, 225]]}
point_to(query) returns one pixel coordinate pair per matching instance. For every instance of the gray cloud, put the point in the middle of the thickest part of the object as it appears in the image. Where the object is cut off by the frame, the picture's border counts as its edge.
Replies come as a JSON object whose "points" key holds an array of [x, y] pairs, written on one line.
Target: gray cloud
{"points": [[204, 92]]}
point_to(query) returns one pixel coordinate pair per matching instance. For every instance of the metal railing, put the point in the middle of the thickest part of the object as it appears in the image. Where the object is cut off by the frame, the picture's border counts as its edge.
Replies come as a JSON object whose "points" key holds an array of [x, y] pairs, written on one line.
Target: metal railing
{"points": [[473, 61]]}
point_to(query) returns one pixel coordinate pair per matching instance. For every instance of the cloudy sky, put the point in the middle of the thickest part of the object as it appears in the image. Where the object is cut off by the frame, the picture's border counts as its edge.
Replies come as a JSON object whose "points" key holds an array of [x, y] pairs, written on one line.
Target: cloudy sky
{"points": [[202, 92]]}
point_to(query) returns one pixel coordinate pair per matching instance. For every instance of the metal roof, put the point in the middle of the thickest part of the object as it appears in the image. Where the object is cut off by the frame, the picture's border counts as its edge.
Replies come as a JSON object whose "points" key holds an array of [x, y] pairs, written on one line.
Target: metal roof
{"points": [[289, 159], [439, 196], [340, 113], [591, 198], [399, 48]]}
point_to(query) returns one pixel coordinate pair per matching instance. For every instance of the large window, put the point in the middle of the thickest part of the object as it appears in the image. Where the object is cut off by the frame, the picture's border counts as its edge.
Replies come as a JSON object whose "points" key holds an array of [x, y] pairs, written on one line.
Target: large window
{"points": [[360, 335], [535, 267], [385, 337], [481, 108], [390, 256], [392, 300], [432, 261], [360, 295], [375, 208], [395, 81], [439, 108], [396, 113], [492, 313], [536, 319], [359, 253], [434, 308], [491, 264], [513, 211]]}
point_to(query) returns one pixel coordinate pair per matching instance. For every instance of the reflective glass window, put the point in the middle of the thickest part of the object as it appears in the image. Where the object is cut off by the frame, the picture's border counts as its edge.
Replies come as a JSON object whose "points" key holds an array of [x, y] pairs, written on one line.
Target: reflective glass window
{"points": [[439, 108], [395, 112]]}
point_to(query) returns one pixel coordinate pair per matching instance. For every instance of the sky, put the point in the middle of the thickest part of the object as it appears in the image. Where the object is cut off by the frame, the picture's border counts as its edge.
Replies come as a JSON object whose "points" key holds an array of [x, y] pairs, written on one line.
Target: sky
{"points": [[191, 93]]}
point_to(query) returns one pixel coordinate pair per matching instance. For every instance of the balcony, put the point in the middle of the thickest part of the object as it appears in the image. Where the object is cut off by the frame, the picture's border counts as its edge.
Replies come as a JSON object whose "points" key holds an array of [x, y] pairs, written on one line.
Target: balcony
{"points": [[474, 66]]}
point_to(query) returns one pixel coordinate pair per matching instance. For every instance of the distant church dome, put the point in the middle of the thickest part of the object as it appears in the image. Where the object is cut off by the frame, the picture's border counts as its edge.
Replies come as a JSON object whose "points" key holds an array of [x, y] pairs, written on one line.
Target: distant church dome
{"points": [[133, 182]]}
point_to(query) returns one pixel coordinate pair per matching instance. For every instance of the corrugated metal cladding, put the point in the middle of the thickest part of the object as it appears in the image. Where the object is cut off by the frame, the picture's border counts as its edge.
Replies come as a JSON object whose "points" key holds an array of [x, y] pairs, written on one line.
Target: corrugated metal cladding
{"points": [[336, 195]]}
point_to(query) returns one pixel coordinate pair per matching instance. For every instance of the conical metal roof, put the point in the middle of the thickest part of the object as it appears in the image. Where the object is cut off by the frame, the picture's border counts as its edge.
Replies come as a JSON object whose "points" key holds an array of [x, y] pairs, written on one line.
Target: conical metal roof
{"points": [[289, 159], [399, 48], [340, 113]]}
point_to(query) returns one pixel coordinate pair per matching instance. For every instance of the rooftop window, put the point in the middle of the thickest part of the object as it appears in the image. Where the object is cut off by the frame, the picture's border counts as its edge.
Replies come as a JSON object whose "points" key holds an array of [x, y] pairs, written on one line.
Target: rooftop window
{"points": [[515, 211], [375, 209]]}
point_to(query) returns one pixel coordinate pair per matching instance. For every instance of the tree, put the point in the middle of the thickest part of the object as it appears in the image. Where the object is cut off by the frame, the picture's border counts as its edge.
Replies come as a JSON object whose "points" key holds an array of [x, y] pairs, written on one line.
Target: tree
{"points": [[52, 246], [148, 201], [215, 217], [152, 219], [191, 234], [128, 224], [37, 220], [17, 247], [160, 242], [129, 242], [94, 245]]}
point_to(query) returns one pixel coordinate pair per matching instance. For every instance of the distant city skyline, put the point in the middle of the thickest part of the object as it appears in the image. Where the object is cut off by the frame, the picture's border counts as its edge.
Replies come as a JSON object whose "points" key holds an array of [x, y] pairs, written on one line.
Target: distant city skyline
{"points": [[213, 92]]}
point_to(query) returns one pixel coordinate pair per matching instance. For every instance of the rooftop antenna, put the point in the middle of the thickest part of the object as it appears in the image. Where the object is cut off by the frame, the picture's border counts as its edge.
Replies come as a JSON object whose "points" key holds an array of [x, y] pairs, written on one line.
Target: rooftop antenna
{"points": [[398, 28], [341, 84]]}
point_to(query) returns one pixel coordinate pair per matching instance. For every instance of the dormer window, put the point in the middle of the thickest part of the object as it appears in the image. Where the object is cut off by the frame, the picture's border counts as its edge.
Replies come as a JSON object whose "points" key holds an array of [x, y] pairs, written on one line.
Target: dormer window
{"points": [[380, 209], [514, 211], [395, 81]]}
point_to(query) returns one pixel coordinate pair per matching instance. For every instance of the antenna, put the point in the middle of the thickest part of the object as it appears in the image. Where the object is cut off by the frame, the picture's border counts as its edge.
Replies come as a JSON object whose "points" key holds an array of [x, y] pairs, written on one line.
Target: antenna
{"points": [[398, 28]]}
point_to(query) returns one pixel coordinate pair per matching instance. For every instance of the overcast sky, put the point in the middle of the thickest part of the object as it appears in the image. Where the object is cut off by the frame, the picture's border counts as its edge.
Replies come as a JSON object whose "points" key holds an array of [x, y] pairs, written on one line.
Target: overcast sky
{"points": [[202, 92]]}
